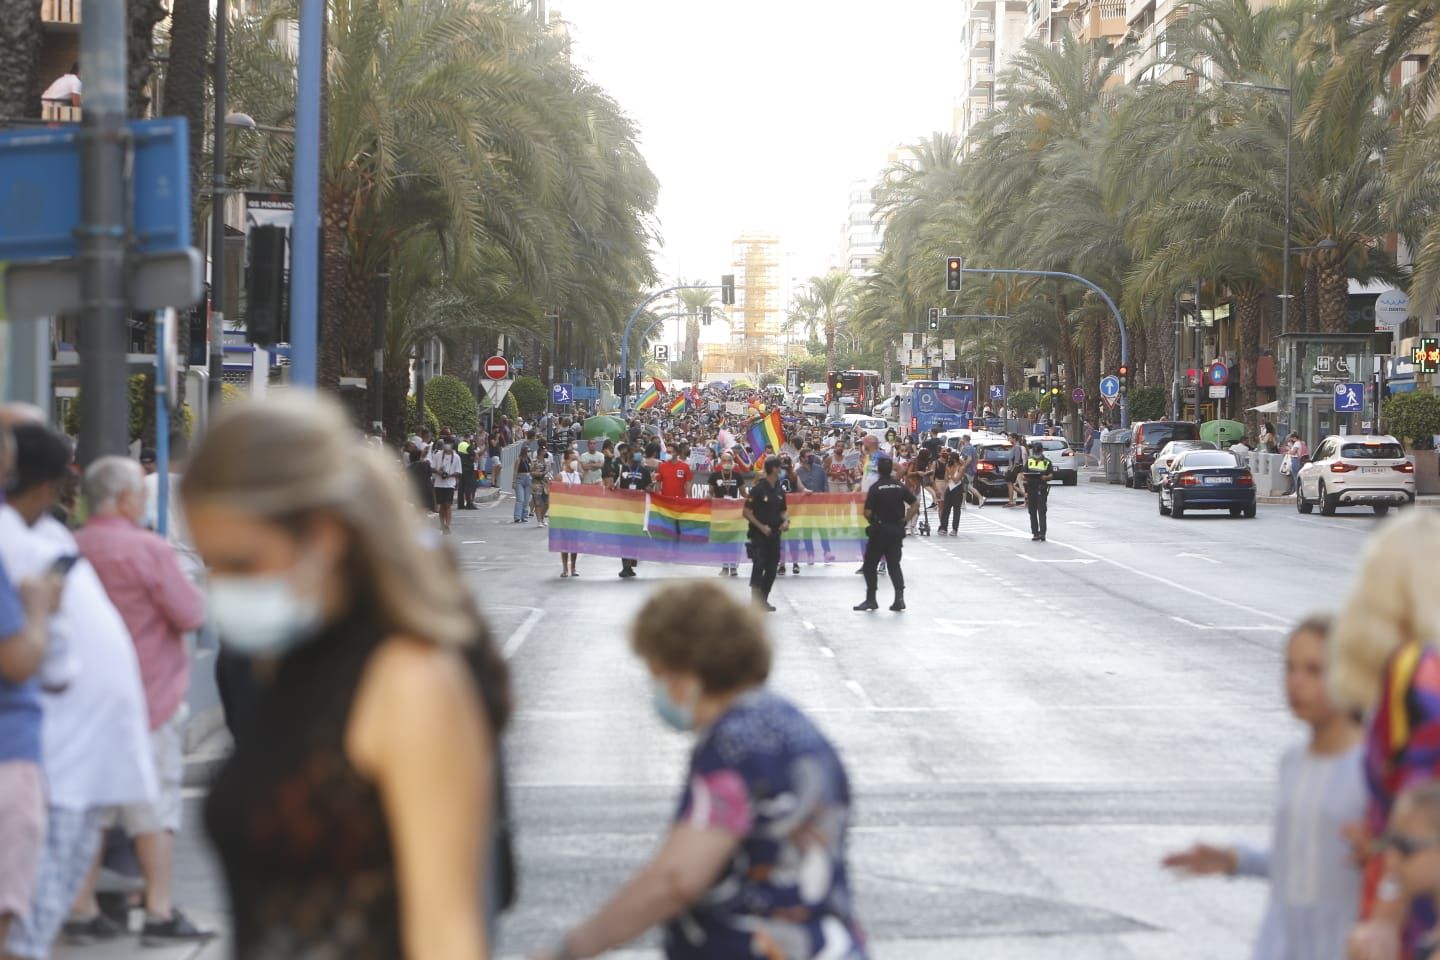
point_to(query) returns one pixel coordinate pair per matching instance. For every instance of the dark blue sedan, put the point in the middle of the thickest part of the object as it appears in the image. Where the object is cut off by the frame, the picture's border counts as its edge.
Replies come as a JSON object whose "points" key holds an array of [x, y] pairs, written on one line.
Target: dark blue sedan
{"points": [[1207, 480]]}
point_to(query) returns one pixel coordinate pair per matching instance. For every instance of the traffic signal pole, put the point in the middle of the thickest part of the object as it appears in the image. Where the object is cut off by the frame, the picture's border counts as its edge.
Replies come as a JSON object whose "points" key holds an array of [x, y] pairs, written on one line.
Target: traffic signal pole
{"points": [[1114, 312]]}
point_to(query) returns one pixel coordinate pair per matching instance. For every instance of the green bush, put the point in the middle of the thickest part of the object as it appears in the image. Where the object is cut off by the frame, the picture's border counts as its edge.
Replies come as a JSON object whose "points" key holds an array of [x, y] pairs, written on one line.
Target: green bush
{"points": [[1148, 403], [412, 421], [1023, 402], [453, 403], [1411, 415], [180, 421], [530, 395]]}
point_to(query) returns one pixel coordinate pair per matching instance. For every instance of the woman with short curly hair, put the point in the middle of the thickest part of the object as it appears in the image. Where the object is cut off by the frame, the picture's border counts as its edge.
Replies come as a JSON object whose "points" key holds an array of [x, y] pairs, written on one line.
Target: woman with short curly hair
{"points": [[755, 862]]}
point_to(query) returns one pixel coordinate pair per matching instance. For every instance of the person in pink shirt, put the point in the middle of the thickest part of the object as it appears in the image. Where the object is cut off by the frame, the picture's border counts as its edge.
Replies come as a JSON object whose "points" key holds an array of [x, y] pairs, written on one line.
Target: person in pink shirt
{"points": [[159, 605]]}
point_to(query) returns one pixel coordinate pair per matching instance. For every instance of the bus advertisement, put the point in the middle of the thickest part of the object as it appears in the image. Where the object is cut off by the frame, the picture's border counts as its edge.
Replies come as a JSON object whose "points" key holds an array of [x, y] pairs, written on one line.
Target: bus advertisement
{"points": [[857, 390], [946, 404]]}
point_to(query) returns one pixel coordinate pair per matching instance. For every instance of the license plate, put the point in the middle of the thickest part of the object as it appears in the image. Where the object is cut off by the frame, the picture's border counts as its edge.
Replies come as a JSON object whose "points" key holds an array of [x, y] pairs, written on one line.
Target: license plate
{"points": [[1374, 469], [1217, 481]]}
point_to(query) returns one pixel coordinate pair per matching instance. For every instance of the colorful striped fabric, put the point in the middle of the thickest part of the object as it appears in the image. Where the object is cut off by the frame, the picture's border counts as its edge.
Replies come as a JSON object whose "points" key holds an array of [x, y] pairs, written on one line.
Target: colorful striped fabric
{"points": [[648, 399], [774, 430], [678, 404], [630, 523], [755, 436]]}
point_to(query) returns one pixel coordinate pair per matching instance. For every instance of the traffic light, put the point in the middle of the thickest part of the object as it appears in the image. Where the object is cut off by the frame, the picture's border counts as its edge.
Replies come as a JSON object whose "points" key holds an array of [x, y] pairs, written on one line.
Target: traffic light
{"points": [[934, 317], [727, 289], [1054, 385], [837, 383], [705, 315], [265, 290], [622, 385], [954, 273], [1123, 374]]}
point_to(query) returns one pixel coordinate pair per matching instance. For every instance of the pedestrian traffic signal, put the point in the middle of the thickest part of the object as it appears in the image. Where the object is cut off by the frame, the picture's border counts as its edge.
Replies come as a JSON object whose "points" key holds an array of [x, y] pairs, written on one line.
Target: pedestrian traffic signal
{"points": [[705, 315], [954, 273], [1426, 355], [934, 317], [727, 289]]}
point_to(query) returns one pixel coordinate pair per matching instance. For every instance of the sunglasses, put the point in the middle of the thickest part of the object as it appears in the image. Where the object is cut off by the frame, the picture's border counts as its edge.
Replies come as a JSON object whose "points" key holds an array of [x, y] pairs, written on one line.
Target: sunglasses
{"points": [[1405, 846]]}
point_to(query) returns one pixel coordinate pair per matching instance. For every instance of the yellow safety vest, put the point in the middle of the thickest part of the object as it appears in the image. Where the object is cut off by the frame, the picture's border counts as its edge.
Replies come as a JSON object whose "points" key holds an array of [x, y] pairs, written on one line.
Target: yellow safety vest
{"points": [[1037, 465]]}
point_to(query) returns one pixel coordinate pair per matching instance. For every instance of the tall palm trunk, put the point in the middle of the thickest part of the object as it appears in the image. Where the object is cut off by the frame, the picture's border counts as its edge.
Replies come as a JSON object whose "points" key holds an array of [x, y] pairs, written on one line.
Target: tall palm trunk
{"points": [[1249, 301], [20, 58], [1091, 380], [335, 224], [1333, 295], [142, 15], [829, 344]]}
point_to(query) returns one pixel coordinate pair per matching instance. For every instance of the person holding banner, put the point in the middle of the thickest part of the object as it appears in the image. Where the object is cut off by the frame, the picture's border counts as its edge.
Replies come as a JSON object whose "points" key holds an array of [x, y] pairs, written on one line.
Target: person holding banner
{"points": [[766, 511], [726, 484]]}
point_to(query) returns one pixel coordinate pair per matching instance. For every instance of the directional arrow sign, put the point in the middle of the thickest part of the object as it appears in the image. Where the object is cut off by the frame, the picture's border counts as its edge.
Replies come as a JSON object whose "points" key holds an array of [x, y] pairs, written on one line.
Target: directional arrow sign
{"points": [[1110, 387]]}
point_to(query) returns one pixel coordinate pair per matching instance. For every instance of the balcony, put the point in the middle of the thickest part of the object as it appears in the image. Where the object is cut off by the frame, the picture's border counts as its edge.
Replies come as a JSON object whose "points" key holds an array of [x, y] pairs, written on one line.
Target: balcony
{"points": [[982, 37], [59, 113], [63, 12], [982, 77], [1103, 19]]}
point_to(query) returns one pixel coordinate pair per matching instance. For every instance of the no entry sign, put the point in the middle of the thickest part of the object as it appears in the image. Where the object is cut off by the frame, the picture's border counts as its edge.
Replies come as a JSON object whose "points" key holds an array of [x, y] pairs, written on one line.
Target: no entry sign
{"points": [[497, 368]]}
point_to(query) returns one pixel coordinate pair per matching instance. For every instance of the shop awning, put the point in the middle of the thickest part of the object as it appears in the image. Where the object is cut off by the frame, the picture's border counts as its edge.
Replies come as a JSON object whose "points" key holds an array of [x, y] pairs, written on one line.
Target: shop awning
{"points": [[1272, 407]]}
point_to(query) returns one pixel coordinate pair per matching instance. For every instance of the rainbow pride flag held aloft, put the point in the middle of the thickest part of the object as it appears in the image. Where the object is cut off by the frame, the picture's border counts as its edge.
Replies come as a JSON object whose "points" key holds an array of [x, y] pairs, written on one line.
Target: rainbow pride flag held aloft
{"points": [[629, 523], [766, 433], [648, 399], [678, 404]]}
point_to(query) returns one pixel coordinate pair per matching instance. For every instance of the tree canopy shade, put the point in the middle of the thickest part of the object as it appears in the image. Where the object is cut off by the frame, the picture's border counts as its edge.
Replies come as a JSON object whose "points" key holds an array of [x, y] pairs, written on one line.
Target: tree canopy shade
{"points": [[473, 179]]}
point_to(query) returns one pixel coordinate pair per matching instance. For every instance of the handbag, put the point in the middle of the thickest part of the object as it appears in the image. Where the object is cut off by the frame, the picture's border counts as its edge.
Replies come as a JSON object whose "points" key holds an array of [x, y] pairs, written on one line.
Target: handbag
{"points": [[1285, 466]]}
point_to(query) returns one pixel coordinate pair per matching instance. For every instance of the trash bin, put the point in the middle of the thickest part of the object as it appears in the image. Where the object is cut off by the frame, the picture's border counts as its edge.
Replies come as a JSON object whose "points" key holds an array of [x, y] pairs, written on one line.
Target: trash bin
{"points": [[1112, 455]]}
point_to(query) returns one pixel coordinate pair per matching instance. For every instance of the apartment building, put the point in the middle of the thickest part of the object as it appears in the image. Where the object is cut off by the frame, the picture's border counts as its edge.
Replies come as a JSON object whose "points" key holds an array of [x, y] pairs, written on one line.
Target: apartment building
{"points": [[59, 50], [992, 32], [861, 234]]}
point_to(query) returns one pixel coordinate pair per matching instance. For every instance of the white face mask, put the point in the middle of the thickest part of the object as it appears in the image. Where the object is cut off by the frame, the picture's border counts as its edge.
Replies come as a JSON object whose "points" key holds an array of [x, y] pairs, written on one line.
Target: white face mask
{"points": [[262, 615]]}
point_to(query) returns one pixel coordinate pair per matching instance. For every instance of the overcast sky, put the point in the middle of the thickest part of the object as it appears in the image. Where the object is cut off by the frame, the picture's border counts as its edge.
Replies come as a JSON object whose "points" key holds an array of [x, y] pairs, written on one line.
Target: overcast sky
{"points": [[759, 113]]}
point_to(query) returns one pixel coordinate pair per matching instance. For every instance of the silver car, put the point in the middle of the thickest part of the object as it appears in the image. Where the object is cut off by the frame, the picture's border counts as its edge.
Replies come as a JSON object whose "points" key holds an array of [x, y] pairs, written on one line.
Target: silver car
{"points": [[1167, 456]]}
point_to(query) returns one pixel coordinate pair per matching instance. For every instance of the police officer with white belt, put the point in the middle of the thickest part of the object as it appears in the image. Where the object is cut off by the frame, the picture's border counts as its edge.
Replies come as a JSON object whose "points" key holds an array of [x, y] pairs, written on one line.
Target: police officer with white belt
{"points": [[889, 506], [1038, 471]]}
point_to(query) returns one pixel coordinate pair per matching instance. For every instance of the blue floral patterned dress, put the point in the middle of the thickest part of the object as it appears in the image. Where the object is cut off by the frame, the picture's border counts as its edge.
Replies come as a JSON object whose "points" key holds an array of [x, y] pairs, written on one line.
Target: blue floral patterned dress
{"points": [[766, 775]]}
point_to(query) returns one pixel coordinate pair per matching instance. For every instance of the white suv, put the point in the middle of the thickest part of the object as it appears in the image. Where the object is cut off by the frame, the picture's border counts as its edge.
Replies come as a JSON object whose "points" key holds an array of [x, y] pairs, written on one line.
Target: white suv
{"points": [[1363, 470], [1058, 452]]}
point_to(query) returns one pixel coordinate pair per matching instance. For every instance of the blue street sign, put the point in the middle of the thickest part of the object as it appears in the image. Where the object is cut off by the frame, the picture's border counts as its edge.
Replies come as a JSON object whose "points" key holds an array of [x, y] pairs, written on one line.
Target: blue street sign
{"points": [[561, 393], [1218, 374], [585, 393], [40, 190], [997, 391], [1349, 397], [1110, 387]]}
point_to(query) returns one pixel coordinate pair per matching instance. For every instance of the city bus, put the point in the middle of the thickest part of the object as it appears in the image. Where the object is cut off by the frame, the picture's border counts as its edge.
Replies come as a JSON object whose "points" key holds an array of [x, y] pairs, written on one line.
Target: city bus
{"points": [[857, 390], [947, 404]]}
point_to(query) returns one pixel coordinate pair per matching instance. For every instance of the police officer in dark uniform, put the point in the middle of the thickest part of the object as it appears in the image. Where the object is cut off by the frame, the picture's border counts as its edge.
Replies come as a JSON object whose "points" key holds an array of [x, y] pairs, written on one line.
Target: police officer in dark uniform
{"points": [[1038, 472], [889, 506], [766, 510]]}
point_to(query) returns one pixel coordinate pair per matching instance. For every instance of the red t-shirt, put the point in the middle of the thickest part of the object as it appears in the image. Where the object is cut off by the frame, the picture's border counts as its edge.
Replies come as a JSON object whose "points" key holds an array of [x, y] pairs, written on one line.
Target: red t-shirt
{"points": [[675, 477]]}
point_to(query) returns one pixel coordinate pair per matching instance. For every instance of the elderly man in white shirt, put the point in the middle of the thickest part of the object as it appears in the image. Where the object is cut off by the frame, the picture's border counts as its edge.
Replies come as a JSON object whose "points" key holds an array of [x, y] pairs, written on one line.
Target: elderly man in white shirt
{"points": [[94, 736]]}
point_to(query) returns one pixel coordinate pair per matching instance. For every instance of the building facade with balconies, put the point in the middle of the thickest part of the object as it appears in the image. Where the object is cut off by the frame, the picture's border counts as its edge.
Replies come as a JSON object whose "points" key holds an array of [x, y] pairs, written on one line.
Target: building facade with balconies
{"points": [[993, 33]]}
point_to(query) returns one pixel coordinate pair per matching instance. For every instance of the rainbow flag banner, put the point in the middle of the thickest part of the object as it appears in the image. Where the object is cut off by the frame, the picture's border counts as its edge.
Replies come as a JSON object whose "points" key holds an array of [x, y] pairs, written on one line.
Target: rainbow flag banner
{"points": [[678, 404], [641, 526], [648, 399]]}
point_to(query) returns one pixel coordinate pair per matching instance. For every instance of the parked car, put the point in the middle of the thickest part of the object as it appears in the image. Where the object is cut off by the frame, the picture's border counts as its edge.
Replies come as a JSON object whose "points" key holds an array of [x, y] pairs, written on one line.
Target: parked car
{"points": [[1059, 453], [1355, 471], [888, 409], [1146, 439], [994, 464], [813, 405], [862, 423], [1207, 480], [1167, 455]]}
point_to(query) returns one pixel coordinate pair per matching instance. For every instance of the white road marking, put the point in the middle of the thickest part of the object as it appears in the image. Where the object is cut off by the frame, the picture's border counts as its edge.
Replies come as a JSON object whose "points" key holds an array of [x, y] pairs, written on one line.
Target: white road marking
{"points": [[1026, 556], [468, 542], [513, 642], [1136, 571], [808, 625], [1198, 556], [1082, 523], [1206, 626], [1360, 527], [827, 652], [859, 691]]}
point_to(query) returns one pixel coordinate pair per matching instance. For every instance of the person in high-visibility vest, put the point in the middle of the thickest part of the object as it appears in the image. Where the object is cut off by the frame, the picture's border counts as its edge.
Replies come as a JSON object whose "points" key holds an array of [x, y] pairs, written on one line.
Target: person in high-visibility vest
{"points": [[1038, 472]]}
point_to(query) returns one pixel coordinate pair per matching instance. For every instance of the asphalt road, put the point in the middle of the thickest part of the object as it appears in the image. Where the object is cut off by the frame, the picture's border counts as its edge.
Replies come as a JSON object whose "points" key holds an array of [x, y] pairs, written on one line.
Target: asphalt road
{"points": [[1026, 741]]}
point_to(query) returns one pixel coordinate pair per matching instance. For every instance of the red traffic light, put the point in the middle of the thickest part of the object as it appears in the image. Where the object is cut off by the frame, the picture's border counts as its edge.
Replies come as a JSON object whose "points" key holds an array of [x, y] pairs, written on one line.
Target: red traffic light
{"points": [[1125, 371]]}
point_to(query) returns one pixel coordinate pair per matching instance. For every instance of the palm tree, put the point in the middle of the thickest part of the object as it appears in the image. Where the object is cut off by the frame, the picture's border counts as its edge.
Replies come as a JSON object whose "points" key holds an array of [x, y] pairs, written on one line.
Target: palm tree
{"points": [[826, 304], [693, 302]]}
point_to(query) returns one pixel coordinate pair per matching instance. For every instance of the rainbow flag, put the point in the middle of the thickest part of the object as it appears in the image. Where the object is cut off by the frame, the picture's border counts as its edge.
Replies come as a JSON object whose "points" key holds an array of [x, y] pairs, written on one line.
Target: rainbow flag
{"points": [[766, 432], [678, 404], [648, 399], [642, 526]]}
